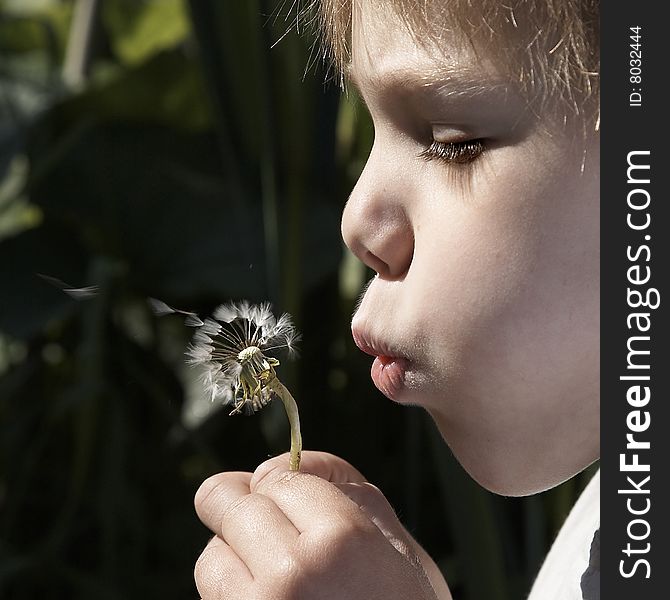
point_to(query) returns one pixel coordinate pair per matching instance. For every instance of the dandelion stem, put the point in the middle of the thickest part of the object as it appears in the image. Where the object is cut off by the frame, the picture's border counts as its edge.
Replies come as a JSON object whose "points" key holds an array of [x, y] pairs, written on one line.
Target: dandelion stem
{"points": [[294, 421]]}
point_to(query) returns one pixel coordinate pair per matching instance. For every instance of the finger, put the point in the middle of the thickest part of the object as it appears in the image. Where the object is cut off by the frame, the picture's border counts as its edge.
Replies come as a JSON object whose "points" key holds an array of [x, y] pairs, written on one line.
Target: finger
{"points": [[220, 573], [309, 502], [251, 524], [377, 508], [218, 490], [322, 464]]}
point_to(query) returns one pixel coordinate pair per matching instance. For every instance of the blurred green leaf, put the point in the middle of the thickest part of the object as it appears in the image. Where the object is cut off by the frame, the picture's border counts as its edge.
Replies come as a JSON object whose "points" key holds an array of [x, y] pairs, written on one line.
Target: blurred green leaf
{"points": [[16, 213], [27, 26], [166, 89], [139, 29], [22, 35]]}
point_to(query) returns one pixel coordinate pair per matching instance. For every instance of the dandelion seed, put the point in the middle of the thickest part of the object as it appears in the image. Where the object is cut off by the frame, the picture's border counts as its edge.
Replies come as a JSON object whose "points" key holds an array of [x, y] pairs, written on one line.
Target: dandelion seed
{"points": [[232, 348], [161, 309]]}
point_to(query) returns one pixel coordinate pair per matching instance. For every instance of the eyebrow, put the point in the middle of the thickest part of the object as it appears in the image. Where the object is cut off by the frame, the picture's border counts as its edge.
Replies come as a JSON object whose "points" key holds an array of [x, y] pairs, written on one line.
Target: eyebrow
{"points": [[448, 82]]}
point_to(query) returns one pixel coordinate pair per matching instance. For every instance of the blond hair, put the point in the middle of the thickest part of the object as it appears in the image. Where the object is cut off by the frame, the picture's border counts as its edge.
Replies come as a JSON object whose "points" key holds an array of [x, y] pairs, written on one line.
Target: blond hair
{"points": [[549, 47]]}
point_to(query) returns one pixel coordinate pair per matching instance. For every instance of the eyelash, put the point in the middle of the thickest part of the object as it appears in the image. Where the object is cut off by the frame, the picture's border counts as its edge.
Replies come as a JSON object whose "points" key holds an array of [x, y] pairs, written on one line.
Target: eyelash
{"points": [[460, 153]]}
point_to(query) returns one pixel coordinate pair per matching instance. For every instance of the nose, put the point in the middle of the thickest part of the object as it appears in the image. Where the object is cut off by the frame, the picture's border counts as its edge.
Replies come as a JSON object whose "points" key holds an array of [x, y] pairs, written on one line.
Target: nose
{"points": [[376, 225]]}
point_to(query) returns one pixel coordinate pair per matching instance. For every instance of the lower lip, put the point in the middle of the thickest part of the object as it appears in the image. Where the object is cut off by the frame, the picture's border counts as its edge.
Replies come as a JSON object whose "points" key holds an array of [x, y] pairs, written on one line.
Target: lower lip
{"points": [[388, 375]]}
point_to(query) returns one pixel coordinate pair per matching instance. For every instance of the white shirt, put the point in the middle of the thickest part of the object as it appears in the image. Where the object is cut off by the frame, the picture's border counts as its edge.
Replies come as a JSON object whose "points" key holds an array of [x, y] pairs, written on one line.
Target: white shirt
{"points": [[560, 577]]}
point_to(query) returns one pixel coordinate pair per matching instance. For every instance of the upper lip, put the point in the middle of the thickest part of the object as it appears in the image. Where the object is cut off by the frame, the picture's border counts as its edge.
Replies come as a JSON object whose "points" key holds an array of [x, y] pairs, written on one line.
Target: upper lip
{"points": [[372, 346]]}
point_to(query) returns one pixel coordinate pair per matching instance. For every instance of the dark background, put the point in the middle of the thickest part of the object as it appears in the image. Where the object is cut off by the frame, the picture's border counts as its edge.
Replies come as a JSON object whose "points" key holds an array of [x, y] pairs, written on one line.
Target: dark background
{"points": [[165, 148]]}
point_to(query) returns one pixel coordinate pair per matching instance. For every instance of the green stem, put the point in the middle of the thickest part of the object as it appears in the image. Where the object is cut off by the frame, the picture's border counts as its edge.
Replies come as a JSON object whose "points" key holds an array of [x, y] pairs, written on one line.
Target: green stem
{"points": [[294, 421]]}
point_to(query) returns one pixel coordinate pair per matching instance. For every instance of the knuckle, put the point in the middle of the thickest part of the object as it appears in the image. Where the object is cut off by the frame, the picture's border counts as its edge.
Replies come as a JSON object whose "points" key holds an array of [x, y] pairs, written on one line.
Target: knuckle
{"points": [[340, 537], [285, 568]]}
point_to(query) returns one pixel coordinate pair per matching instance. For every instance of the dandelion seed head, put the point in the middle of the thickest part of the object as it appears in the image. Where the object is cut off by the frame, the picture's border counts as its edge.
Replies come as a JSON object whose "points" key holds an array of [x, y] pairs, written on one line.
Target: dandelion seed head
{"points": [[233, 349], [248, 354]]}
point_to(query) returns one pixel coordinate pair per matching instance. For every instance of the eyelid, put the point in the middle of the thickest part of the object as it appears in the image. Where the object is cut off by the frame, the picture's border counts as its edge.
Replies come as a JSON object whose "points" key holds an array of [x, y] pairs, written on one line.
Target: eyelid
{"points": [[449, 133]]}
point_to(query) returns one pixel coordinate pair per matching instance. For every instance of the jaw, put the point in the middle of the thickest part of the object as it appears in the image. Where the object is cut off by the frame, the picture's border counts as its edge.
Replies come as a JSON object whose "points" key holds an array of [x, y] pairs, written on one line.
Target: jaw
{"points": [[525, 461]]}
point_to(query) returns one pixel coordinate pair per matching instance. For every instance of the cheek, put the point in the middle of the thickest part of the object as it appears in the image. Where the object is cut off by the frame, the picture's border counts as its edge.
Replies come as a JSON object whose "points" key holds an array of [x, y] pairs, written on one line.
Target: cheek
{"points": [[472, 263], [517, 266], [514, 307]]}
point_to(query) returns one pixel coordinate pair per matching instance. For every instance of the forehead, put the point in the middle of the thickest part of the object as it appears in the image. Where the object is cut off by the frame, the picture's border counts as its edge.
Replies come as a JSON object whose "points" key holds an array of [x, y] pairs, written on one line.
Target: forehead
{"points": [[386, 54]]}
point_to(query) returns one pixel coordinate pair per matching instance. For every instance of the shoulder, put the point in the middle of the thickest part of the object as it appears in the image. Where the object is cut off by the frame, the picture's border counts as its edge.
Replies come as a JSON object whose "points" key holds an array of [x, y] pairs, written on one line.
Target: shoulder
{"points": [[571, 570]]}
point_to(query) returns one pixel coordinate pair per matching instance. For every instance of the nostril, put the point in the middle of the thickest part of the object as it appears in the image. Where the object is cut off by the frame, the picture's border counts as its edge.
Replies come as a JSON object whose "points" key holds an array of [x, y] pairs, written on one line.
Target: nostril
{"points": [[376, 264]]}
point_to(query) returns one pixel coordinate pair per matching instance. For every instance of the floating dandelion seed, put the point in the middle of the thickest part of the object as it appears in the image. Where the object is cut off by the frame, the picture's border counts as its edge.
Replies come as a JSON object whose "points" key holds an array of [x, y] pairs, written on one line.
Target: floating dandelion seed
{"points": [[232, 349]]}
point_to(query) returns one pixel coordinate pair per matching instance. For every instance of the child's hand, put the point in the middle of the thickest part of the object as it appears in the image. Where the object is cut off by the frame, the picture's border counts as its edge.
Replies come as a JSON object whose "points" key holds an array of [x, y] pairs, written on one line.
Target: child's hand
{"points": [[321, 533]]}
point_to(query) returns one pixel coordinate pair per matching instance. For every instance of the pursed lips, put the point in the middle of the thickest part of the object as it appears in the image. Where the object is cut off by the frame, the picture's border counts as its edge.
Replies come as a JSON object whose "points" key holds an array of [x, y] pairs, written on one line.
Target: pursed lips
{"points": [[389, 367]]}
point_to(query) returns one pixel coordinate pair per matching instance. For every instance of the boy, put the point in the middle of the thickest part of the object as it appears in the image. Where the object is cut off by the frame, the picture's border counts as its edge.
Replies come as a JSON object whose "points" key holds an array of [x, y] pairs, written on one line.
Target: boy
{"points": [[478, 209]]}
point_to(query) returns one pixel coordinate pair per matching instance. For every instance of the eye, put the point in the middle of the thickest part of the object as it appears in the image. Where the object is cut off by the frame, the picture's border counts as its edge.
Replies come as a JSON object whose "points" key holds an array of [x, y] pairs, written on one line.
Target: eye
{"points": [[454, 152]]}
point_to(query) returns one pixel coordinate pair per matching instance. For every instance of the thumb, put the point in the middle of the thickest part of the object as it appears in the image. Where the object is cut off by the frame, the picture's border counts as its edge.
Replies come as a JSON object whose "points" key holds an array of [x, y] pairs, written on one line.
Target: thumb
{"points": [[322, 464]]}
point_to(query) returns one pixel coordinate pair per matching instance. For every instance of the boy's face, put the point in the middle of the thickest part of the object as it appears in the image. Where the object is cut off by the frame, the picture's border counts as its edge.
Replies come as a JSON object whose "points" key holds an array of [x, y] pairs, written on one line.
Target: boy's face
{"points": [[488, 268]]}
